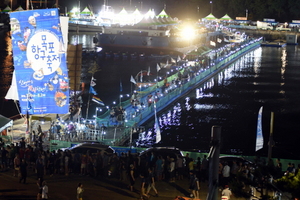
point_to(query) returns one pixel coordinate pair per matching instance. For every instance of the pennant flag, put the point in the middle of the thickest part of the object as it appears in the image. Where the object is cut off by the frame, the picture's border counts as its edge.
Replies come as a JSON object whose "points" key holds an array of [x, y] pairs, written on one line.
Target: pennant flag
{"points": [[141, 76], [121, 86], [219, 40], [178, 58], [148, 71], [173, 60], [157, 67], [93, 83], [259, 134], [92, 90], [156, 125], [132, 80], [97, 100], [212, 43]]}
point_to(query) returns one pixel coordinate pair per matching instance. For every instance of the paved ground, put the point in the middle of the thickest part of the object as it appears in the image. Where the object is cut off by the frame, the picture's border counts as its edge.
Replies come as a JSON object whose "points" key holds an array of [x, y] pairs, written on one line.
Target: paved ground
{"points": [[64, 188]]}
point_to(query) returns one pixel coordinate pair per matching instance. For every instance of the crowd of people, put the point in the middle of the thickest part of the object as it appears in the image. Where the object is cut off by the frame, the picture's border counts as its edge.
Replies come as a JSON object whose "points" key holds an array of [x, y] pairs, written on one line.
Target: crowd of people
{"points": [[126, 167]]}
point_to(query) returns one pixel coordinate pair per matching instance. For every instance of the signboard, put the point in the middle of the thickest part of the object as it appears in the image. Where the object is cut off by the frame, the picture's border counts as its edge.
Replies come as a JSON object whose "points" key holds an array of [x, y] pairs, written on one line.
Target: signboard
{"points": [[40, 61], [269, 20], [241, 18], [296, 21]]}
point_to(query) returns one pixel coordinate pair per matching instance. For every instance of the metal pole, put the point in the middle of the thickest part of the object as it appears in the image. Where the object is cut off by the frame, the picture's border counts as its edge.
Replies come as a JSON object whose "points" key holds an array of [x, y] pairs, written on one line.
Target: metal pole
{"points": [[214, 163], [130, 141], [271, 137]]}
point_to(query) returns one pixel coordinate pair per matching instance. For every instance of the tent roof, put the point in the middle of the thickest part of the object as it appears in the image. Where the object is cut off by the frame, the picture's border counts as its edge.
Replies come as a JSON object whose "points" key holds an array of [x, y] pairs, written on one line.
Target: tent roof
{"points": [[210, 17], [123, 12], [19, 8], [162, 14], [86, 11], [5, 122], [7, 9], [226, 17]]}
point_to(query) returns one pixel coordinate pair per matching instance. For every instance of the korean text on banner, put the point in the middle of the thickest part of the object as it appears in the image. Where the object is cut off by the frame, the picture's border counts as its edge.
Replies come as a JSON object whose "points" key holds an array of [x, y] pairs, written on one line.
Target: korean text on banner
{"points": [[40, 61]]}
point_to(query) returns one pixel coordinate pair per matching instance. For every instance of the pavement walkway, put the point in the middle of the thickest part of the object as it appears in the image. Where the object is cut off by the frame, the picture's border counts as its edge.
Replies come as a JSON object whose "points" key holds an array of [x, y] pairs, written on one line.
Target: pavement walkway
{"points": [[63, 187]]}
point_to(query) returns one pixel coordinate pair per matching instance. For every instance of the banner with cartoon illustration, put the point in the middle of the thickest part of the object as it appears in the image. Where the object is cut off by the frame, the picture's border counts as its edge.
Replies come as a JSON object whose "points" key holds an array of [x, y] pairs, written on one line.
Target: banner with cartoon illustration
{"points": [[40, 61]]}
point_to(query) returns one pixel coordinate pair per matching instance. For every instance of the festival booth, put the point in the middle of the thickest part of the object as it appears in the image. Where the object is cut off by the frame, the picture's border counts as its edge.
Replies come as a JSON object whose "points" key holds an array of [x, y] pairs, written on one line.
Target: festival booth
{"points": [[226, 18], [210, 17], [4, 124], [6, 9]]}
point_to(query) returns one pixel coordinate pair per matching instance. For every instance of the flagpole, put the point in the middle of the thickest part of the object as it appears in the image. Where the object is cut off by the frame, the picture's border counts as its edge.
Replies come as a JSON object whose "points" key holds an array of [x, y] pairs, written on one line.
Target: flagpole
{"points": [[271, 137], [89, 100]]}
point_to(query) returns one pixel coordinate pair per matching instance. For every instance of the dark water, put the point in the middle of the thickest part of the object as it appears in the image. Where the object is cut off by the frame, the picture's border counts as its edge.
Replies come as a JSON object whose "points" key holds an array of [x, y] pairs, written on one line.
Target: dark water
{"points": [[268, 77]]}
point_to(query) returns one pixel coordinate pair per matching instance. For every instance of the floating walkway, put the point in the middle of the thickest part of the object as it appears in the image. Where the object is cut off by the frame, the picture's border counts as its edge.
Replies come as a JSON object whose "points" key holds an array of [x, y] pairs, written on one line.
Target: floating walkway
{"points": [[138, 117]]}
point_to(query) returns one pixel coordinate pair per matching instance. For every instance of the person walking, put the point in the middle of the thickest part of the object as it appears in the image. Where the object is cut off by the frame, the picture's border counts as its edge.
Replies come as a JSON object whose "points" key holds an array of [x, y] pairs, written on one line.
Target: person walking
{"points": [[44, 191], [23, 171], [131, 177], [194, 185], [80, 191], [226, 193], [151, 183]]}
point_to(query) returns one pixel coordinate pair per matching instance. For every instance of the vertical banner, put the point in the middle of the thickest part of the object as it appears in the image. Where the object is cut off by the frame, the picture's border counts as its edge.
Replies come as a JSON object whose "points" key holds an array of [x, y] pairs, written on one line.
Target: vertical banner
{"points": [[259, 134], [39, 58], [156, 125]]}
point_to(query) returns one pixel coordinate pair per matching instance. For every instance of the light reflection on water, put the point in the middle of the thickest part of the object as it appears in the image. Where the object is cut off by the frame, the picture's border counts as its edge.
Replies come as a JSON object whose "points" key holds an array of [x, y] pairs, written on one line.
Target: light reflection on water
{"points": [[265, 77]]}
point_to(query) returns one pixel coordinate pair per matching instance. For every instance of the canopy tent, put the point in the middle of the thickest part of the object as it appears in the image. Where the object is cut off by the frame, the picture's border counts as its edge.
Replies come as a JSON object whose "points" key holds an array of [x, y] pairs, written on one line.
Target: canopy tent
{"points": [[5, 122], [74, 11], [7, 9], [19, 9], [162, 14], [150, 14], [226, 18], [210, 17], [86, 11]]}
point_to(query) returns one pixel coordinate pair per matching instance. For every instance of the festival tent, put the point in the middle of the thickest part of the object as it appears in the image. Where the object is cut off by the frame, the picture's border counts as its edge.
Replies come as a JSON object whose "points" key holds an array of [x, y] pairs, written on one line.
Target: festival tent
{"points": [[210, 17], [162, 14], [5, 122], [137, 16], [7, 9], [150, 14], [19, 9], [226, 18], [86, 11], [74, 11]]}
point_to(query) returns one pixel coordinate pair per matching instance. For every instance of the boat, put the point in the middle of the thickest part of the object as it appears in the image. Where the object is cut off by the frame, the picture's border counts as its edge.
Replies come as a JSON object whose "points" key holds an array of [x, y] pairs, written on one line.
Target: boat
{"points": [[236, 37], [164, 40]]}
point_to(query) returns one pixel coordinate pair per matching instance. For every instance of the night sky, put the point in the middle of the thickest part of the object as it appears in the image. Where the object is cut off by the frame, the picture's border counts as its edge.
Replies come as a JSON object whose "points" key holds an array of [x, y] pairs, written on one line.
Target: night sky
{"points": [[280, 10]]}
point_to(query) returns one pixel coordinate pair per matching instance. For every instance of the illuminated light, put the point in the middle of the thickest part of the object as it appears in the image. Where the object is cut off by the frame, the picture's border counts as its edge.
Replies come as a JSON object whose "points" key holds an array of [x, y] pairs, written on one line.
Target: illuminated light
{"points": [[114, 102], [107, 107]]}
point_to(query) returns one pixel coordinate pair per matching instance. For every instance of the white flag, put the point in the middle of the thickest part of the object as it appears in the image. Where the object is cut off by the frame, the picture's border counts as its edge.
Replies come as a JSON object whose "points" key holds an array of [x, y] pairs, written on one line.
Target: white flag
{"points": [[259, 134], [148, 71], [156, 125], [93, 83], [132, 80], [157, 67], [141, 76]]}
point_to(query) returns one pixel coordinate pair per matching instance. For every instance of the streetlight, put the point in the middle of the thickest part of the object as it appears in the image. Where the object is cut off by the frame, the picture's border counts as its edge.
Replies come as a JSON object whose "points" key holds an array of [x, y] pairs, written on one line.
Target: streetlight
{"points": [[211, 7]]}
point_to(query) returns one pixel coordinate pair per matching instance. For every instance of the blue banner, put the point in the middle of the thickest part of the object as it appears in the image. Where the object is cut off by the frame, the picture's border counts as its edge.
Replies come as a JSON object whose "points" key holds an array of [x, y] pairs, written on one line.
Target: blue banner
{"points": [[40, 61], [259, 134]]}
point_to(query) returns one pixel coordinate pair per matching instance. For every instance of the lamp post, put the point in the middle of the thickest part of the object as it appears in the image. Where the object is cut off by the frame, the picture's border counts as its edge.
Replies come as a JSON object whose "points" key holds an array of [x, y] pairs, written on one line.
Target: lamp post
{"points": [[211, 7], [246, 14]]}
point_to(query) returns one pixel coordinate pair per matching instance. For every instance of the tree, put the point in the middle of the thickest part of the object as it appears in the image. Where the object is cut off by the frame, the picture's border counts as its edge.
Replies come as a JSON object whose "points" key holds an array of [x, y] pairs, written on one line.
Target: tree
{"points": [[290, 183]]}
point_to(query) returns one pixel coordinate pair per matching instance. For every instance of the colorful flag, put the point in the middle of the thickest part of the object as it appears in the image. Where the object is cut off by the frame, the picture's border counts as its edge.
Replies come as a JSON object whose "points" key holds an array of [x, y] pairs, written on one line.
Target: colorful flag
{"points": [[97, 100], [92, 90], [148, 73], [132, 80], [157, 67], [259, 134]]}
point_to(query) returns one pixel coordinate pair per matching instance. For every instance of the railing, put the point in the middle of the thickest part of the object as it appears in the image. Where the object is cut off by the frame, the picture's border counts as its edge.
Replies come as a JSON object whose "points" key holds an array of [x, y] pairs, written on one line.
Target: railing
{"points": [[147, 112]]}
